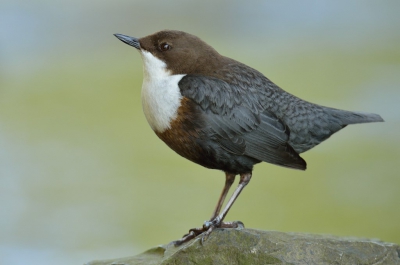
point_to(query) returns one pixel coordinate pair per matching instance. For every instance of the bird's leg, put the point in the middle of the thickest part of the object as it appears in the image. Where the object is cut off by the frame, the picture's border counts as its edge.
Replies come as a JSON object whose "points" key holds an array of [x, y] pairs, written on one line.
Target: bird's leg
{"points": [[209, 226], [244, 180], [229, 179], [217, 221]]}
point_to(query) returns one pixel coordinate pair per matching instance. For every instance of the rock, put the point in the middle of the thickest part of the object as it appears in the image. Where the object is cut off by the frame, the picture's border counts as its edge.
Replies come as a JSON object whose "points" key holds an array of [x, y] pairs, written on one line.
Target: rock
{"points": [[250, 246]]}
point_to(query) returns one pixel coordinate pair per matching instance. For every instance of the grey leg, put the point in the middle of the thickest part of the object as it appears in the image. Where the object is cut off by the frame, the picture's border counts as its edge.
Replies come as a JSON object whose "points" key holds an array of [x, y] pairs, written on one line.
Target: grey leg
{"points": [[229, 179], [216, 222], [209, 226]]}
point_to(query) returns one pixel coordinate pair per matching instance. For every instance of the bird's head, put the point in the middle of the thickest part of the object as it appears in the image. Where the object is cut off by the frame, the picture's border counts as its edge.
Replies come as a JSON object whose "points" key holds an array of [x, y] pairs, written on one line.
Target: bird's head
{"points": [[181, 52]]}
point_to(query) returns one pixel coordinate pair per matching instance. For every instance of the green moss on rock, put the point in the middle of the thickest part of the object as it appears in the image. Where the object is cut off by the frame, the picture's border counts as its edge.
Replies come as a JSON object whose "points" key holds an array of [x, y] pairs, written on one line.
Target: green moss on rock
{"points": [[250, 246]]}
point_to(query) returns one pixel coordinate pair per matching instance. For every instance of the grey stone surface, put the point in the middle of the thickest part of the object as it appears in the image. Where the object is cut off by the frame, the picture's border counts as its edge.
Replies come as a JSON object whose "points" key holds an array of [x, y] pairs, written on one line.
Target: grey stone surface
{"points": [[250, 246]]}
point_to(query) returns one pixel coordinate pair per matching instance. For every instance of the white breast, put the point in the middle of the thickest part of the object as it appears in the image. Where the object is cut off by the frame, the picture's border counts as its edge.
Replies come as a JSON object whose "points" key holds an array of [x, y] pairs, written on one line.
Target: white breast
{"points": [[161, 97]]}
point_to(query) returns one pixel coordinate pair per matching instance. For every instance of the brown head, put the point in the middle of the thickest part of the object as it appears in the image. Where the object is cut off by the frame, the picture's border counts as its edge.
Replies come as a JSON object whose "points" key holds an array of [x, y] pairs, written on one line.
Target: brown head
{"points": [[182, 52]]}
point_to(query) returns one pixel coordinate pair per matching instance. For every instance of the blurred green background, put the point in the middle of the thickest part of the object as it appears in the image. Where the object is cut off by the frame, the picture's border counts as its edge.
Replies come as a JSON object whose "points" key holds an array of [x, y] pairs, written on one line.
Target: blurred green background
{"points": [[83, 177]]}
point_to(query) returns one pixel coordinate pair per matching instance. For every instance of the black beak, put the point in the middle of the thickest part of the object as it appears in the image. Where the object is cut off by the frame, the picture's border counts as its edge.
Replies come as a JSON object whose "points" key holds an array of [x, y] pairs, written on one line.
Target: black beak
{"points": [[132, 41]]}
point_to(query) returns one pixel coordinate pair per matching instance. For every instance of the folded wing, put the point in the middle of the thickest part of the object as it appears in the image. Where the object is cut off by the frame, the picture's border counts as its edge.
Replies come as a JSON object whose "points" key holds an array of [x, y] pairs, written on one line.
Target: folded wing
{"points": [[239, 122]]}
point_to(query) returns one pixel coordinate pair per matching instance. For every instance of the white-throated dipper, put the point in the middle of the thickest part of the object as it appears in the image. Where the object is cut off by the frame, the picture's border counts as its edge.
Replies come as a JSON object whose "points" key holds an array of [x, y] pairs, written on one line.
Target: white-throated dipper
{"points": [[222, 114]]}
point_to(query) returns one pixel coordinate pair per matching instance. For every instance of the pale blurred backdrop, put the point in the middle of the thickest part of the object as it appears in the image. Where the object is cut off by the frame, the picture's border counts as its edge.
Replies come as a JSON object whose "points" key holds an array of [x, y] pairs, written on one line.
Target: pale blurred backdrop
{"points": [[83, 177]]}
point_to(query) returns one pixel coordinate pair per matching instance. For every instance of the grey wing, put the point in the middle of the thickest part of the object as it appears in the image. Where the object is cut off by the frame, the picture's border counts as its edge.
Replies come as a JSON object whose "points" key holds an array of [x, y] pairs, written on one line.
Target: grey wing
{"points": [[239, 123]]}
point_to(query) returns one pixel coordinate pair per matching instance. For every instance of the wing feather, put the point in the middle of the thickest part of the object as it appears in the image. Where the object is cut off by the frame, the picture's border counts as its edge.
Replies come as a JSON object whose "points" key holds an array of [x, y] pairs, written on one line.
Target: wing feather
{"points": [[240, 125]]}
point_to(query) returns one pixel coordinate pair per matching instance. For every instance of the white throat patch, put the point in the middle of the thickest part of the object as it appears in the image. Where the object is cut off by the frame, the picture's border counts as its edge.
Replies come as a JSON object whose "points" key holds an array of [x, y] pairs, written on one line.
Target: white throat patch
{"points": [[161, 96]]}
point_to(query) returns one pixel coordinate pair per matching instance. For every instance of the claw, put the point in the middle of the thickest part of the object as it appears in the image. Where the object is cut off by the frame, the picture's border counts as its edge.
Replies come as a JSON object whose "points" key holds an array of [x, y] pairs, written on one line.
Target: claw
{"points": [[185, 238], [207, 229], [234, 224], [206, 234]]}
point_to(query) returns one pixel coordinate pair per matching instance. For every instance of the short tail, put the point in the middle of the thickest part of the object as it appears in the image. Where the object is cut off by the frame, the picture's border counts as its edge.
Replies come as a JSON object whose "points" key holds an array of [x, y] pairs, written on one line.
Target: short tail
{"points": [[353, 117]]}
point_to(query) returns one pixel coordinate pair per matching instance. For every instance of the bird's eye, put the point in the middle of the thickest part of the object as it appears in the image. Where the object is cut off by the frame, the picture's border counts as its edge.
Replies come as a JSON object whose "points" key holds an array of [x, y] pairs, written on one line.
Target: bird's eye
{"points": [[164, 47]]}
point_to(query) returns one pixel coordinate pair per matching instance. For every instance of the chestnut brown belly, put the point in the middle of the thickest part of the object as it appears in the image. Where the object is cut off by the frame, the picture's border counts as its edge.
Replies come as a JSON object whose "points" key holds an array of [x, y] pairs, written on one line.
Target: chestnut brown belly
{"points": [[183, 134], [189, 136]]}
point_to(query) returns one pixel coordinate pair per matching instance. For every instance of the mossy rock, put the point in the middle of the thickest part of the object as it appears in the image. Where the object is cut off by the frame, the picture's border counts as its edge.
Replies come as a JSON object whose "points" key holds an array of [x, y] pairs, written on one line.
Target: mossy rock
{"points": [[250, 246]]}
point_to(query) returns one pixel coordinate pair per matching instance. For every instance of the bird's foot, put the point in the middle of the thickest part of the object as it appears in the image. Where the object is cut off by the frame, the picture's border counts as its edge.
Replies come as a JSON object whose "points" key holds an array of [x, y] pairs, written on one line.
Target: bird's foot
{"points": [[207, 229]]}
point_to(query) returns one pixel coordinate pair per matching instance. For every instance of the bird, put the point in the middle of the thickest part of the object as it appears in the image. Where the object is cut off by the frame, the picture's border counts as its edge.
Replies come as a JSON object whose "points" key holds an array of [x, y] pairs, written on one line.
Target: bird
{"points": [[222, 114]]}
